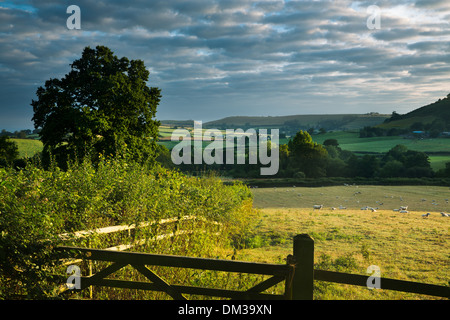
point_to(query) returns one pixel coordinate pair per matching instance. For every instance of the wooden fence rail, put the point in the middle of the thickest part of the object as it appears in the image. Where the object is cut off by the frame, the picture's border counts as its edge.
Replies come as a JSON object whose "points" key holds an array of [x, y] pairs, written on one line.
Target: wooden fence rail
{"points": [[298, 274], [140, 261]]}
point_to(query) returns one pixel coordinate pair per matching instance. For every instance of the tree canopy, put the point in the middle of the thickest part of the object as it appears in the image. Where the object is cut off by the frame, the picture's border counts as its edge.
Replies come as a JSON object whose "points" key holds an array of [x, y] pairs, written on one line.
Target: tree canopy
{"points": [[307, 155], [102, 106], [8, 150]]}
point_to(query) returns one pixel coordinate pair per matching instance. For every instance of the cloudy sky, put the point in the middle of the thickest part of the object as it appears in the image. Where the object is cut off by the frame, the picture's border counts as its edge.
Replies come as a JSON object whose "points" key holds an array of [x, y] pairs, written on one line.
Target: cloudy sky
{"points": [[221, 58]]}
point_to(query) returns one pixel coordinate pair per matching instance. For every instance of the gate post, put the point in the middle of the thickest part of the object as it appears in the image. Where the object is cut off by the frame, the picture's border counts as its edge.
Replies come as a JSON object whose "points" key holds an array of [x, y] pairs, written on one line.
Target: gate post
{"points": [[302, 283]]}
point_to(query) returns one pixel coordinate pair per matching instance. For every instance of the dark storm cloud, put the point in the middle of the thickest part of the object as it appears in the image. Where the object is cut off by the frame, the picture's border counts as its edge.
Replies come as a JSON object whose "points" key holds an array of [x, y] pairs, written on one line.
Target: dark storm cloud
{"points": [[228, 57]]}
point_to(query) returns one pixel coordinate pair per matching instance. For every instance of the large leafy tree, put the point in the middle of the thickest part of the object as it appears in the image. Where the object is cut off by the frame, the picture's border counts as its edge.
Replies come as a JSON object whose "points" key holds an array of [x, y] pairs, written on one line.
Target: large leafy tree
{"points": [[103, 105], [307, 155]]}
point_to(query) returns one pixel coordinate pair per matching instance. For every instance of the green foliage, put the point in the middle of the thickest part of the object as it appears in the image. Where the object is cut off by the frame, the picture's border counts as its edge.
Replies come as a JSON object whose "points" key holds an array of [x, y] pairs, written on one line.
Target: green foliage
{"points": [[299, 175], [36, 205], [308, 156], [331, 142], [103, 105], [8, 151], [446, 171]]}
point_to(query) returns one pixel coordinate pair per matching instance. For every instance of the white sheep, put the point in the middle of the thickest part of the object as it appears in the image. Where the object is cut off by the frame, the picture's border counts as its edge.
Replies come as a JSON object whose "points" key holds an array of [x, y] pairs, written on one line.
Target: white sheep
{"points": [[445, 214], [403, 211], [316, 206], [404, 208]]}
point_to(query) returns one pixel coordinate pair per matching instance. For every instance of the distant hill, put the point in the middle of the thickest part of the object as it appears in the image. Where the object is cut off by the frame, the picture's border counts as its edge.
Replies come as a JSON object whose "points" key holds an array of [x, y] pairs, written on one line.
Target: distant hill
{"points": [[433, 116], [327, 121], [179, 123]]}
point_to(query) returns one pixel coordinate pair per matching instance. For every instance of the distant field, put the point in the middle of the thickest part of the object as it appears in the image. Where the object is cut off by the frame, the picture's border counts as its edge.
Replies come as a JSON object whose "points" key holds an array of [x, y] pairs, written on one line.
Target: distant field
{"points": [[438, 162], [417, 198], [351, 141], [28, 147], [405, 246], [348, 140]]}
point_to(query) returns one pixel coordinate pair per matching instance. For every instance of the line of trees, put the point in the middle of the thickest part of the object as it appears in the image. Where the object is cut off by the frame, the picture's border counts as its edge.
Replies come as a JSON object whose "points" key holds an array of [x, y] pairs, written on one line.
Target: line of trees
{"points": [[20, 134]]}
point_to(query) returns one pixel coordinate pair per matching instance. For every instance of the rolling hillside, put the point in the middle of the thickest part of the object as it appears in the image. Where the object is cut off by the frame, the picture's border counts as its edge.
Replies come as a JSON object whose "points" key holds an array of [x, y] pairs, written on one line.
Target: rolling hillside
{"points": [[436, 115], [326, 121]]}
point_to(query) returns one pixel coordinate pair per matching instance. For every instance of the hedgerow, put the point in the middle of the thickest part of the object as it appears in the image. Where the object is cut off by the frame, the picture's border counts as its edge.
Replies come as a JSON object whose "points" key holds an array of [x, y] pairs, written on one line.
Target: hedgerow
{"points": [[36, 205]]}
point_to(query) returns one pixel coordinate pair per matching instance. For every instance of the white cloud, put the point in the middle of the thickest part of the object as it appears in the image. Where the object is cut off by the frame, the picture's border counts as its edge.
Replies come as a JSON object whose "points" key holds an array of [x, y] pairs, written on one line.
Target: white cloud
{"points": [[221, 58]]}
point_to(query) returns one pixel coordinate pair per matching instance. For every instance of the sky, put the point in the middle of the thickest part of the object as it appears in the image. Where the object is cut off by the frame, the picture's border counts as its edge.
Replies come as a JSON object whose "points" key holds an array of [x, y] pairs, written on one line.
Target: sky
{"points": [[213, 59]]}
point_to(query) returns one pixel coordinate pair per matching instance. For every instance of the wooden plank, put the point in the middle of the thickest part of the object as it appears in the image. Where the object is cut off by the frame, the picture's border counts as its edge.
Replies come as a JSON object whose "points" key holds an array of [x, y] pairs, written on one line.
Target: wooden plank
{"points": [[303, 278], [93, 280], [266, 284], [137, 258], [112, 229], [386, 283], [159, 283], [213, 292]]}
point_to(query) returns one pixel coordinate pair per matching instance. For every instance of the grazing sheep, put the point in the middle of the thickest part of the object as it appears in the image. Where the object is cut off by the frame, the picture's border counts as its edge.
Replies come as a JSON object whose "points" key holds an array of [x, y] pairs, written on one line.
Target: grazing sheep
{"points": [[341, 207], [445, 214], [403, 211], [396, 209], [404, 208], [374, 210], [426, 215], [318, 206]]}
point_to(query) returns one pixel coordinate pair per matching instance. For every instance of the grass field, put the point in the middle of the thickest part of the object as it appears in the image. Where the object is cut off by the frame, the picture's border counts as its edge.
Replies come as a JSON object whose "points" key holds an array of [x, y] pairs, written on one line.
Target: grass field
{"points": [[28, 147], [405, 246], [351, 141]]}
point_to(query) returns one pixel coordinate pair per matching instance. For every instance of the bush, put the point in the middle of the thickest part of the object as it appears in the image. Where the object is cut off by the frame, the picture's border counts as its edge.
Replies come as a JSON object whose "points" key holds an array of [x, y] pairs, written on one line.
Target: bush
{"points": [[36, 205], [299, 175]]}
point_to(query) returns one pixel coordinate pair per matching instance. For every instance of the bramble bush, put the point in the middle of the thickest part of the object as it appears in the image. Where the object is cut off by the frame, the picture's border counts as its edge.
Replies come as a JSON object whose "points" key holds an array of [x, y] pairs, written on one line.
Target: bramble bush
{"points": [[37, 205]]}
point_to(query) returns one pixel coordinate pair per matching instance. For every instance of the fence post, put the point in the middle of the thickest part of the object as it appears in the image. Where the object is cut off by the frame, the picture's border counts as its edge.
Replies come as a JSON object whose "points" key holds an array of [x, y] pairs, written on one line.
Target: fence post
{"points": [[302, 283]]}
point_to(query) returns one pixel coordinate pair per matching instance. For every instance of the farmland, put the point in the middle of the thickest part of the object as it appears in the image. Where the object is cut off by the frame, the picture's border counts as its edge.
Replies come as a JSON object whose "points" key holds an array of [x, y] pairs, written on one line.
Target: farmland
{"points": [[28, 147], [405, 246], [438, 149]]}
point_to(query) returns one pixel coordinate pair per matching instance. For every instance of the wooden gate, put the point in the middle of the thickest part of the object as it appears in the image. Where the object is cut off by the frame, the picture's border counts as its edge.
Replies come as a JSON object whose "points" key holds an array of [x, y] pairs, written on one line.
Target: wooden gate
{"points": [[141, 261], [298, 274]]}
